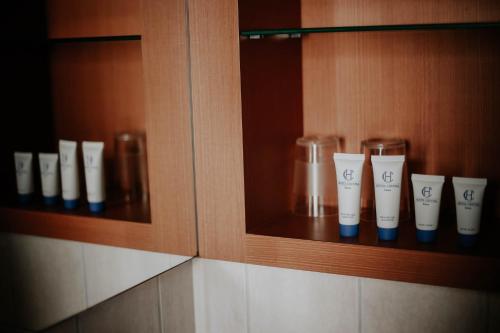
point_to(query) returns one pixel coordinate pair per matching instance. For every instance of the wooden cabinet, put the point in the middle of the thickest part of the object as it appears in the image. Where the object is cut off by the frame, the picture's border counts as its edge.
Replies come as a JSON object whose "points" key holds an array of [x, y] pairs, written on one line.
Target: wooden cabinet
{"points": [[418, 70], [114, 66]]}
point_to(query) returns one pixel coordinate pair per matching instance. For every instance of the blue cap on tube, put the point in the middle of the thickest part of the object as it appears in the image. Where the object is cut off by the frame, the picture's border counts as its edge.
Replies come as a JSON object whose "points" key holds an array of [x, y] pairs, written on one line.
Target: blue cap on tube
{"points": [[25, 198], [349, 230], [96, 207], [426, 236], [387, 234], [50, 201], [467, 240], [71, 204]]}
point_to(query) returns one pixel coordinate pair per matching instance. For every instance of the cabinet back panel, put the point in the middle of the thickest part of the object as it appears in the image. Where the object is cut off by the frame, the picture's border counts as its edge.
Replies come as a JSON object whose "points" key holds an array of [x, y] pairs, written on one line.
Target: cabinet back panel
{"points": [[439, 90], [268, 14], [97, 90], [272, 120], [90, 18], [325, 13]]}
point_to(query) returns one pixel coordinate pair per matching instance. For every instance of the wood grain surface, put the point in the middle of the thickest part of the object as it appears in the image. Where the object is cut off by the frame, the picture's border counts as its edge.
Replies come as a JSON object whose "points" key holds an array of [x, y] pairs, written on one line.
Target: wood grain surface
{"points": [[327, 13], [215, 75], [82, 228], [97, 91], [375, 262], [91, 18], [168, 125]]}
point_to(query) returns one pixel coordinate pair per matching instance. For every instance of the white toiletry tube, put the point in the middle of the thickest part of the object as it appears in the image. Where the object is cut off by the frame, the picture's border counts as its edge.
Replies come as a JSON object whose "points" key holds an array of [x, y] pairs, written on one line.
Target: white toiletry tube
{"points": [[49, 174], [469, 194], [69, 173], [349, 168], [93, 159], [387, 175], [24, 176], [427, 197]]}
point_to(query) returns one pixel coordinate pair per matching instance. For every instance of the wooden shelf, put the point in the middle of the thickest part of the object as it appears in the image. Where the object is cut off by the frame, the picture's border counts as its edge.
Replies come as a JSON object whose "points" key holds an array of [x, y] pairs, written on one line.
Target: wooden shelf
{"points": [[462, 271], [119, 211], [314, 244], [119, 225], [301, 31], [327, 230]]}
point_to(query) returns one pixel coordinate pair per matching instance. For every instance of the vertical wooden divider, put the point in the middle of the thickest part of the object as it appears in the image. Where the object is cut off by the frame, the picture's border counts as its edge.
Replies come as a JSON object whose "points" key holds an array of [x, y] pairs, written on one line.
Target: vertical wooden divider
{"points": [[168, 125], [216, 91]]}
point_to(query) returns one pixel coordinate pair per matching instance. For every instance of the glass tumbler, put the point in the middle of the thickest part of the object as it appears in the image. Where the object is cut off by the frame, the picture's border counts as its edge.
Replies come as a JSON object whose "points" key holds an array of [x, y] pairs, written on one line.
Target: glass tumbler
{"points": [[131, 166], [314, 193], [382, 147]]}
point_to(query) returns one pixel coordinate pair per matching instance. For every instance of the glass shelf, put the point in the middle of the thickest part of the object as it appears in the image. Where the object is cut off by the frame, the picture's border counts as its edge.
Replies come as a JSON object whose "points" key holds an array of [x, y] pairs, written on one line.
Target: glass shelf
{"points": [[298, 32], [95, 39]]}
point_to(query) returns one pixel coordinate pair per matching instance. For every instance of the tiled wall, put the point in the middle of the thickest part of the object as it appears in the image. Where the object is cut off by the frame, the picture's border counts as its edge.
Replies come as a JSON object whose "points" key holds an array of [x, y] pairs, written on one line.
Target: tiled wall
{"points": [[232, 298], [45, 280], [160, 305], [209, 296]]}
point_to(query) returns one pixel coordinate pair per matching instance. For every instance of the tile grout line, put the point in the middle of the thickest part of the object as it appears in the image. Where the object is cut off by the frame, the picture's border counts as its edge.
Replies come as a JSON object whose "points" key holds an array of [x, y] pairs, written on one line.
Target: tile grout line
{"points": [[194, 297], [360, 307], [85, 276], [160, 305], [247, 301]]}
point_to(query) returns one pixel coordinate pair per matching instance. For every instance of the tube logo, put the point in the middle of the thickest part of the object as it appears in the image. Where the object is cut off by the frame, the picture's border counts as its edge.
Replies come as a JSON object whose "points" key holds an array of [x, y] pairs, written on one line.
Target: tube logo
{"points": [[426, 191], [348, 174], [469, 195], [387, 176], [89, 159]]}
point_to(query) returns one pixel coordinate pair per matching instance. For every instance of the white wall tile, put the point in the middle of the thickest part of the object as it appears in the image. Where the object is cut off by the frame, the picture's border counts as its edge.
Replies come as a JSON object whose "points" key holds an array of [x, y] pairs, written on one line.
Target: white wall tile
{"points": [[177, 300], [494, 312], [388, 306], [48, 280], [285, 300], [220, 296], [111, 270]]}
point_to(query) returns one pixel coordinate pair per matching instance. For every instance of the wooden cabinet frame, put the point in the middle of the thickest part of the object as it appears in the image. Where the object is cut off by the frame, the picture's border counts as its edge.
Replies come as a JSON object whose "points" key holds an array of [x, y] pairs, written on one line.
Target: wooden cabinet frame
{"points": [[217, 120], [164, 42]]}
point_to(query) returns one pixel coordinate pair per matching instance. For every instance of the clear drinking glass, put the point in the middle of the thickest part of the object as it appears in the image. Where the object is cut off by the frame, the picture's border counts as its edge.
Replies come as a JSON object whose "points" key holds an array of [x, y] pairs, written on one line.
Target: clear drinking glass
{"points": [[382, 147], [314, 192], [131, 166]]}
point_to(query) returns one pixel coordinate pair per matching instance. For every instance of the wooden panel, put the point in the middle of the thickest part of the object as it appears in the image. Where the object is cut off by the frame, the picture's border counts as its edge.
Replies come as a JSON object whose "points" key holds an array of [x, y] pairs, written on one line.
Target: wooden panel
{"points": [[168, 125], [325, 13], [271, 88], [255, 14], [375, 262], [80, 228], [90, 18], [97, 91], [218, 145], [436, 89]]}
